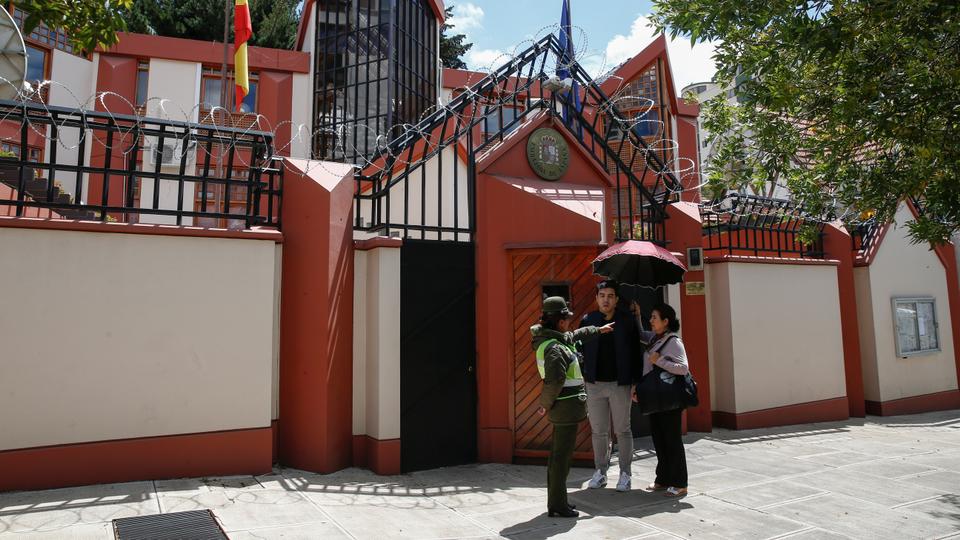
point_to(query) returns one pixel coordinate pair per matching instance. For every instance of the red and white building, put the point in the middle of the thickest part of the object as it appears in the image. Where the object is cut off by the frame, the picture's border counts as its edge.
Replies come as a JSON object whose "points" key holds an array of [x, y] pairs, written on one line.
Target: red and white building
{"points": [[366, 310]]}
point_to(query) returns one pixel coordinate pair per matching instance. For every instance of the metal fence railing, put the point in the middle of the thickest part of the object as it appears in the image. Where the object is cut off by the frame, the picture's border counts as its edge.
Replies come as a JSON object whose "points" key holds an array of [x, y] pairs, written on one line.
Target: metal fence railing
{"points": [[759, 226], [80, 164]]}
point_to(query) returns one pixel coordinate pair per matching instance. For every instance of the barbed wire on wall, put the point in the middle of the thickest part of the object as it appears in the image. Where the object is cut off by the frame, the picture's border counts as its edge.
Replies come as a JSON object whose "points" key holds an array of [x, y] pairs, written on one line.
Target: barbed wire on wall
{"points": [[301, 135]]}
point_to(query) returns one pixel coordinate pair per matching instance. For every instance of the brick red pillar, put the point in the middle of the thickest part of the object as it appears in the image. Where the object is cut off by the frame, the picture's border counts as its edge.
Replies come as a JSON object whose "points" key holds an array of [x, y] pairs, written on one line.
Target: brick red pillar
{"points": [[316, 316], [838, 246], [684, 230]]}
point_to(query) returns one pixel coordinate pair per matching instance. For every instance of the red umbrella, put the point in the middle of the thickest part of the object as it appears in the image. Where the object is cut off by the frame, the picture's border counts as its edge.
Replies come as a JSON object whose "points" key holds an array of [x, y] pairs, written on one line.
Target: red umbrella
{"points": [[636, 262]]}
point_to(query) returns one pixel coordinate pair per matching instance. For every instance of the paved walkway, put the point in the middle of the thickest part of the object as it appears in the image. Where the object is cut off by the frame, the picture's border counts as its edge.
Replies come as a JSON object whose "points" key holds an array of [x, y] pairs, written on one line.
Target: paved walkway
{"points": [[880, 478]]}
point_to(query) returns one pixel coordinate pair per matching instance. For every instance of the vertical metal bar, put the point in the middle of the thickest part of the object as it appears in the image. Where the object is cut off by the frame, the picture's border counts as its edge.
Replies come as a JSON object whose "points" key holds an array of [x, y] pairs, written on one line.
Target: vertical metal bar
{"points": [[184, 152], [108, 164], [229, 174], [22, 180], [158, 159], [81, 156], [206, 171], [52, 161], [132, 174]]}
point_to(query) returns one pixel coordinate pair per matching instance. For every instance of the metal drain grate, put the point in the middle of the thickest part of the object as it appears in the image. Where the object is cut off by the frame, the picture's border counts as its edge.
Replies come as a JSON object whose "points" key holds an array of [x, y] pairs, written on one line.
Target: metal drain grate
{"points": [[193, 525]]}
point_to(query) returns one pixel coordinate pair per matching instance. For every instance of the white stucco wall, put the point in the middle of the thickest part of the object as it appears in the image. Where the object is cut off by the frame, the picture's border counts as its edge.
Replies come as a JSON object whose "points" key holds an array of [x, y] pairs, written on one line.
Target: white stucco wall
{"points": [[74, 83], [902, 269], [376, 343], [443, 191], [300, 115], [173, 92], [774, 335], [114, 336]]}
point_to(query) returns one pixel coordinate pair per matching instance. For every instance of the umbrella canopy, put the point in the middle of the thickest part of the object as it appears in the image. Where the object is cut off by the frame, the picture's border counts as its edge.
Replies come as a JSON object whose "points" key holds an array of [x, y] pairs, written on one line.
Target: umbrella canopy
{"points": [[636, 262]]}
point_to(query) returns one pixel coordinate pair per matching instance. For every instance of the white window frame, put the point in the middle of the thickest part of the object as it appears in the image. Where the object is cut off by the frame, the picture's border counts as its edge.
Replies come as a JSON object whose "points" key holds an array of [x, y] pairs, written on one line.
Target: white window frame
{"points": [[896, 329]]}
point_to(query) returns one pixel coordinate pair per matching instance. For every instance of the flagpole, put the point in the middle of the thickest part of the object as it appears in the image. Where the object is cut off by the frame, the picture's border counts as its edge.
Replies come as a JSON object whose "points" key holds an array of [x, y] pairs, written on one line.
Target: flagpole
{"points": [[223, 69]]}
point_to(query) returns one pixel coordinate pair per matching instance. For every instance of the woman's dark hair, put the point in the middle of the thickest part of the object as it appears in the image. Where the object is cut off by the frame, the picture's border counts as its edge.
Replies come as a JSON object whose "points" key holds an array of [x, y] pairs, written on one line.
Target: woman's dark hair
{"points": [[667, 312], [551, 321]]}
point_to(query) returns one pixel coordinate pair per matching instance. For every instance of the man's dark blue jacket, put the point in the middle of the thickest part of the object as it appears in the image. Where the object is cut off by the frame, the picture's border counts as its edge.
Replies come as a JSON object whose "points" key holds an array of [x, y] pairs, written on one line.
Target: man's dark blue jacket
{"points": [[626, 344]]}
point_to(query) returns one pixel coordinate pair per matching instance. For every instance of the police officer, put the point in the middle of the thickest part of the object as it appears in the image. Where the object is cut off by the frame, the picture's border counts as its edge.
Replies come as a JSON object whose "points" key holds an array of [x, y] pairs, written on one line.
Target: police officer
{"points": [[563, 397]]}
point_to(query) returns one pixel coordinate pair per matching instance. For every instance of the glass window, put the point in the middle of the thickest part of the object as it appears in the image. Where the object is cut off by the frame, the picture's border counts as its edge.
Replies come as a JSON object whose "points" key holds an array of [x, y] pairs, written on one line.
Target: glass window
{"points": [[211, 93], [143, 76], [36, 64], [647, 124], [491, 123], [916, 326]]}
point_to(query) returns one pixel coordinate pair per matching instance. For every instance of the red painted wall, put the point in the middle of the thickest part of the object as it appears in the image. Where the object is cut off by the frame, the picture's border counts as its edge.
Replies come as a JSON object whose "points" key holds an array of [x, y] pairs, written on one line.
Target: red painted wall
{"points": [[837, 245], [275, 102], [117, 75], [316, 314], [506, 215], [684, 231]]}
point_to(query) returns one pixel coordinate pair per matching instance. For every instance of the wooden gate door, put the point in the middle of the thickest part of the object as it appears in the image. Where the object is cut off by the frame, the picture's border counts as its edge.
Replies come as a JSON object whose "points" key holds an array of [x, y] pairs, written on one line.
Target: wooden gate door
{"points": [[535, 272]]}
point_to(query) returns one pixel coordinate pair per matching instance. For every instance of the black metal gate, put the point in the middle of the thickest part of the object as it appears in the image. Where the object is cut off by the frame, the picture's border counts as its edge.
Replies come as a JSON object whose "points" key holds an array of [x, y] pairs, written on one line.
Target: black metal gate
{"points": [[438, 391]]}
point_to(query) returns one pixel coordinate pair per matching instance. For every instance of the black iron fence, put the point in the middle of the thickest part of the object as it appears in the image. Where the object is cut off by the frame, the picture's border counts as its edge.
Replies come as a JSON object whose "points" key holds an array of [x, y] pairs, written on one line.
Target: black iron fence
{"points": [[89, 165], [759, 226], [392, 195]]}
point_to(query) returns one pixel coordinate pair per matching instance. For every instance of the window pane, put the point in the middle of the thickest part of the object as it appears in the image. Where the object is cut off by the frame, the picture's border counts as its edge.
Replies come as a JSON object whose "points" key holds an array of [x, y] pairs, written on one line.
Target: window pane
{"points": [[142, 77], [211, 93], [907, 327], [926, 326], [36, 60]]}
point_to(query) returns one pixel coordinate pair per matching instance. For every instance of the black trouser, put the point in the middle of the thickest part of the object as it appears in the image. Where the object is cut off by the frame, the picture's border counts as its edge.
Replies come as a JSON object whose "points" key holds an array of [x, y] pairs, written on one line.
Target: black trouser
{"points": [[665, 429], [558, 465]]}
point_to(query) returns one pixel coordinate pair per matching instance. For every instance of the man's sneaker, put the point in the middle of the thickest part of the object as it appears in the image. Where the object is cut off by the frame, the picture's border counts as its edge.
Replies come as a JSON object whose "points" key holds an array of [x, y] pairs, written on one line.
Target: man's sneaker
{"points": [[623, 484], [598, 481]]}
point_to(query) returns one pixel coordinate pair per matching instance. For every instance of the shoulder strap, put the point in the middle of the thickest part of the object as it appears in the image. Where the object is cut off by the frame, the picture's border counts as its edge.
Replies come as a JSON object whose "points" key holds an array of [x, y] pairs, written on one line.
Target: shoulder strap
{"points": [[664, 344]]}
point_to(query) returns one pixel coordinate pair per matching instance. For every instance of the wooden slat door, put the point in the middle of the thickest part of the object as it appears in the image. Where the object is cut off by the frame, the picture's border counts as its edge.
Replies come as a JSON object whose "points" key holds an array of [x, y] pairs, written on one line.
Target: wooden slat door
{"points": [[532, 269]]}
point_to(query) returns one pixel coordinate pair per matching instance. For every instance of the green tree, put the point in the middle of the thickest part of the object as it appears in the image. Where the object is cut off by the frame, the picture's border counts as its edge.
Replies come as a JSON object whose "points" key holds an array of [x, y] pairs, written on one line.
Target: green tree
{"points": [[854, 105], [89, 23], [274, 21], [452, 46]]}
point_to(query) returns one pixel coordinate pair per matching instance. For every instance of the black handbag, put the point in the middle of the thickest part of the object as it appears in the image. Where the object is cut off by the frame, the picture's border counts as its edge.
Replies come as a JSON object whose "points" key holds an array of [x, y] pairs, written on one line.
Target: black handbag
{"points": [[659, 390]]}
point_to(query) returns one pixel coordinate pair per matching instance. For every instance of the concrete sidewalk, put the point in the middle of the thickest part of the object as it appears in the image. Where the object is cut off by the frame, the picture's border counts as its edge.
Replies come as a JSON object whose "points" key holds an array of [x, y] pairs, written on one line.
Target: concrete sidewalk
{"points": [[879, 478]]}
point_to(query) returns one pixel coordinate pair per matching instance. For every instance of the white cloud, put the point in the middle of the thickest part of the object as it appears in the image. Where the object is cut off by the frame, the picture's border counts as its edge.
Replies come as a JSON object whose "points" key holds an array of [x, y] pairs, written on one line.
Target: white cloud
{"points": [[466, 17], [486, 59], [690, 64]]}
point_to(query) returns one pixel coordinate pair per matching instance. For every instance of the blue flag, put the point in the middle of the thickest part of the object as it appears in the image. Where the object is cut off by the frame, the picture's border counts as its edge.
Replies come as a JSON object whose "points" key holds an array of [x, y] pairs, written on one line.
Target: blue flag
{"points": [[563, 67]]}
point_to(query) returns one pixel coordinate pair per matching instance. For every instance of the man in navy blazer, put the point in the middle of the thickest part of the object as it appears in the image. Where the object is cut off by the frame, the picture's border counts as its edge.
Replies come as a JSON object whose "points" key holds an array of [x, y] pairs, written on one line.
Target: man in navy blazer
{"points": [[611, 365]]}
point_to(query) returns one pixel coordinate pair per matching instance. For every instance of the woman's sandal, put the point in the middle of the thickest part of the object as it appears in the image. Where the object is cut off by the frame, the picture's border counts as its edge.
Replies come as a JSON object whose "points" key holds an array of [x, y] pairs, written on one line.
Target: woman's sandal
{"points": [[656, 487], [675, 492]]}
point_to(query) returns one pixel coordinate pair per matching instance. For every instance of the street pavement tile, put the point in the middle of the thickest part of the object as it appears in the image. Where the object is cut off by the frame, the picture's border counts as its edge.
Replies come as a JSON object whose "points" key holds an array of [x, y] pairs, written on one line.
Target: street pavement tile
{"points": [[766, 463], [869, 488], [874, 447], [889, 468], [706, 517], [305, 531], [611, 501], [84, 531], [941, 460], [838, 459], [51, 510], [699, 467], [815, 534], [857, 518], [945, 509], [529, 518], [725, 479], [416, 522], [595, 528], [799, 450], [490, 500], [767, 494], [947, 481], [238, 503]]}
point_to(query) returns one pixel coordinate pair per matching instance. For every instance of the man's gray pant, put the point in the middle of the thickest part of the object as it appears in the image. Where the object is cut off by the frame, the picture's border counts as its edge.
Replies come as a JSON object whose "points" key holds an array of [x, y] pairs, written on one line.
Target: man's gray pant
{"points": [[606, 399]]}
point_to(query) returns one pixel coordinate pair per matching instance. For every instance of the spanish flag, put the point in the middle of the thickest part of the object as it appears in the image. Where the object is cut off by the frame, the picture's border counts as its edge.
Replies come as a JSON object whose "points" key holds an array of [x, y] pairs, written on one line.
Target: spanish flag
{"points": [[242, 31]]}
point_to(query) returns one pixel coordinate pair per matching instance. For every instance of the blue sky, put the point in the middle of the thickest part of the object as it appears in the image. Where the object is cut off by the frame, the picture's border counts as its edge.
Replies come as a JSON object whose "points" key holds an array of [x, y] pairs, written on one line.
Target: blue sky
{"points": [[603, 37]]}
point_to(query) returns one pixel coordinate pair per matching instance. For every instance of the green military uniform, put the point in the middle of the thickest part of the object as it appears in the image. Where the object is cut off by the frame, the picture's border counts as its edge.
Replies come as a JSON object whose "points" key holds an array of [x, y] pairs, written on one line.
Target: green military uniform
{"points": [[564, 397]]}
